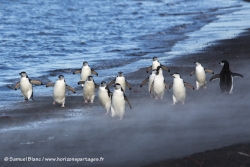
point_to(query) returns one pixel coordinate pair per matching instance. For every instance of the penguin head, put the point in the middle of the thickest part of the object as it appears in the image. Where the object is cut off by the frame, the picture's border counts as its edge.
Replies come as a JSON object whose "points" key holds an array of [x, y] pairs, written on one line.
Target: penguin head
{"points": [[176, 75], [120, 74], [103, 84], [90, 78], [224, 63], [158, 70], [23, 74], [117, 86], [155, 58], [60, 77], [197, 63], [85, 63]]}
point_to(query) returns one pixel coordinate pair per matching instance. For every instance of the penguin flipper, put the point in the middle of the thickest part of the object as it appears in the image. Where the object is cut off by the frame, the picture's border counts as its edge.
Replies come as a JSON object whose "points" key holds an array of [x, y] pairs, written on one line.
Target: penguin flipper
{"points": [[166, 86], [148, 69], [188, 85], [217, 76], [145, 81], [36, 82], [111, 82], [50, 84], [128, 85], [96, 86], [165, 68], [151, 87], [77, 71], [17, 85], [109, 92], [210, 71], [125, 97], [192, 73], [70, 88], [81, 82], [94, 72], [237, 75], [170, 86]]}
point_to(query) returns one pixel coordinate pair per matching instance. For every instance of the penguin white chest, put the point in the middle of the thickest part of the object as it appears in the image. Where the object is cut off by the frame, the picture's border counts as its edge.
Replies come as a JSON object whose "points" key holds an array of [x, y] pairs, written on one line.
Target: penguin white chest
{"points": [[89, 90], [159, 84], [26, 87], [103, 96], [86, 71], [155, 64], [59, 90], [179, 89], [118, 102], [200, 74], [150, 81], [122, 82]]}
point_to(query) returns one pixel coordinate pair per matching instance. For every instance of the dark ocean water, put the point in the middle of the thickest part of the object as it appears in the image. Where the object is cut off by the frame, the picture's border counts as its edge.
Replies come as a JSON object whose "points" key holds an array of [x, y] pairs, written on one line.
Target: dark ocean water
{"points": [[49, 38]]}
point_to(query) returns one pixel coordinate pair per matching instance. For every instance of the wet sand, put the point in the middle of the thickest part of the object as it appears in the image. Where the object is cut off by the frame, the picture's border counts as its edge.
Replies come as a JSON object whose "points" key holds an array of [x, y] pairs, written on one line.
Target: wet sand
{"points": [[153, 131]]}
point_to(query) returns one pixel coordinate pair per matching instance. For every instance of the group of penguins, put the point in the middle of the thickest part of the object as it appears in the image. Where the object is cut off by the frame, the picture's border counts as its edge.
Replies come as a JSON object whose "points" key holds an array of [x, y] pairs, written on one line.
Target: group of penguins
{"points": [[115, 102]]}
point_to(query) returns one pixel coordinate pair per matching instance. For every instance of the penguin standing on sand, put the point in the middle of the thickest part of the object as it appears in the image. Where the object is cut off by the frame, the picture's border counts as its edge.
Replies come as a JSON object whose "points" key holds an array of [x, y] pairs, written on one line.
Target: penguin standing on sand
{"points": [[104, 96], [150, 80], [89, 89], [85, 71], [155, 64], [59, 93], [179, 90], [158, 85], [200, 73], [226, 78], [25, 85], [121, 80], [118, 102]]}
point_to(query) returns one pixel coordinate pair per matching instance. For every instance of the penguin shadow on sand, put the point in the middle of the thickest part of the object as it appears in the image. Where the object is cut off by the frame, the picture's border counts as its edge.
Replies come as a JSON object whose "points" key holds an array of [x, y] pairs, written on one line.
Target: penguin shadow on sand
{"points": [[59, 91], [26, 86], [226, 78]]}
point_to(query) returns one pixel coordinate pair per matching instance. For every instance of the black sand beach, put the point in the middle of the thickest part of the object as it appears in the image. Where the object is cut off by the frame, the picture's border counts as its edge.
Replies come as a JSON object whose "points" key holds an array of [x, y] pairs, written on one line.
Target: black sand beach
{"points": [[153, 132]]}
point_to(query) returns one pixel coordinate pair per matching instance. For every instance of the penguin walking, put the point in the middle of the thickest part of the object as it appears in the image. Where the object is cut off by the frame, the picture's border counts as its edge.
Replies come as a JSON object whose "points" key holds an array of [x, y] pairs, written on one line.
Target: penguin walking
{"points": [[226, 78], [155, 64], [59, 92], [118, 102], [200, 73], [150, 80], [104, 96], [85, 72], [25, 85], [179, 90], [158, 85], [89, 89], [121, 80]]}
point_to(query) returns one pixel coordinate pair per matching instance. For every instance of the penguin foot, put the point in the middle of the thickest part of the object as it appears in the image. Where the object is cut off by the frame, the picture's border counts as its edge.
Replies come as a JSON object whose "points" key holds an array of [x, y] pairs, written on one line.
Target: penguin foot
{"points": [[231, 92], [204, 87], [63, 106], [85, 101], [161, 97], [156, 98], [91, 102], [54, 103], [173, 104], [120, 118], [183, 103]]}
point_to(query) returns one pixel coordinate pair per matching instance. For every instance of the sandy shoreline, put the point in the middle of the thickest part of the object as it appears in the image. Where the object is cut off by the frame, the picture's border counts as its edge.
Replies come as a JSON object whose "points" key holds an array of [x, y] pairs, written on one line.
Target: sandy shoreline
{"points": [[152, 131]]}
